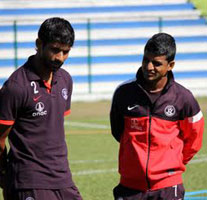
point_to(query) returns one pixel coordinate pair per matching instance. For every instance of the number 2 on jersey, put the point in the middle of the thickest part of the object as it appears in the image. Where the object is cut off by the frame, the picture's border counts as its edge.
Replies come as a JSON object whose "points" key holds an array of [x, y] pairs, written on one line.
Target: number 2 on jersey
{"points": [[33, 84]]}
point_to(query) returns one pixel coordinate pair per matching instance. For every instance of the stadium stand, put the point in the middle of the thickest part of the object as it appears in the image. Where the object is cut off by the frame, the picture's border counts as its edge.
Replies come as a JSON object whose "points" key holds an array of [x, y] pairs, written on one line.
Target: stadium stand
{"points": [[110, 36]]}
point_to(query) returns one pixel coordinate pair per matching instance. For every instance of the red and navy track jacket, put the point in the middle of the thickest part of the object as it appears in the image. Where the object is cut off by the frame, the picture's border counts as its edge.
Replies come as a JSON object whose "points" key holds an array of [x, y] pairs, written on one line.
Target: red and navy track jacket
{"points": [[156, 140]]}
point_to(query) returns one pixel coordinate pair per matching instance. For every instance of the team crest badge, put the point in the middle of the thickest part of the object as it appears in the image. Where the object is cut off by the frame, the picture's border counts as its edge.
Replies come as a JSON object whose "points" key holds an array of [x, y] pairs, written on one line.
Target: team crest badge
{"points": [[170, 110], [65, 93]]}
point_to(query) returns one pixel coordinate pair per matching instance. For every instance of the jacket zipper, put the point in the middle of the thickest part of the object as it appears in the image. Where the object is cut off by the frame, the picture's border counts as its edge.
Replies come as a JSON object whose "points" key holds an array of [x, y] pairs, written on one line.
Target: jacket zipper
{"points": [[148, 155]]}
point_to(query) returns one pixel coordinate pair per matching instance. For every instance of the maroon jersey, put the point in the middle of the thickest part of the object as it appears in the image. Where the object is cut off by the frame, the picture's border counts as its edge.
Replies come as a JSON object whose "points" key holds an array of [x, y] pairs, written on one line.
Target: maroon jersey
{"points": [[38, 151]]}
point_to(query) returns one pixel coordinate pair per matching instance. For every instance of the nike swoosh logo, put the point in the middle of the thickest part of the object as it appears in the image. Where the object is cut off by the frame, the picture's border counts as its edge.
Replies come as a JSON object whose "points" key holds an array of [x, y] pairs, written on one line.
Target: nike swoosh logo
{"points": [[132, 107], [36, 98]]}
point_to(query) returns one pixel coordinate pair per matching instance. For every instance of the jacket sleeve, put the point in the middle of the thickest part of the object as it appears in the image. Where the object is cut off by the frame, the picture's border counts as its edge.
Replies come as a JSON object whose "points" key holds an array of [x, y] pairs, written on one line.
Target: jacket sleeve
{"points": [[192, 127], [116, 118]]}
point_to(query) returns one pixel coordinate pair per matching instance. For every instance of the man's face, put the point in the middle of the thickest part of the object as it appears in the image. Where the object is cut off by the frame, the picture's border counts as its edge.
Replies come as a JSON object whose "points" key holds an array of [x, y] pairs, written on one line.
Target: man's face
{"points": [[154, 68], [53, 55]]}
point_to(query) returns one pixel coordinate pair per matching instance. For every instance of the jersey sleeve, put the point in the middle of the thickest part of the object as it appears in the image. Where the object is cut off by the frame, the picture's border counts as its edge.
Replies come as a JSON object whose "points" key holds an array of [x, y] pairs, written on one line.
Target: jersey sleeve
{"points": [[10, 102], [116, 118], [68, 103], [192, 127]]}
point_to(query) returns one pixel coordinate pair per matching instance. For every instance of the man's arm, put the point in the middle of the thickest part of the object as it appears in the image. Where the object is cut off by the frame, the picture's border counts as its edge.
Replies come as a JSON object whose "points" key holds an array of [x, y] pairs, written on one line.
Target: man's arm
{"points": [[192, 132], [116, 120], [11, 95], [4, 131]]}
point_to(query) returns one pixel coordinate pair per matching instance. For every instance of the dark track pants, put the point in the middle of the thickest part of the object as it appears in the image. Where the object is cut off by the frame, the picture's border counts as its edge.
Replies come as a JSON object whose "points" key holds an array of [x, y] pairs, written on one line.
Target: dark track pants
{"points": [[71, 193], [176, 192]]}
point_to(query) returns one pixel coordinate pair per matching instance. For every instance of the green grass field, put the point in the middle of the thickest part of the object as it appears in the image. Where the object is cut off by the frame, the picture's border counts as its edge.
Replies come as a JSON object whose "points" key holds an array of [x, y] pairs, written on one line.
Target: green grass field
{"points": [[93, 152]]}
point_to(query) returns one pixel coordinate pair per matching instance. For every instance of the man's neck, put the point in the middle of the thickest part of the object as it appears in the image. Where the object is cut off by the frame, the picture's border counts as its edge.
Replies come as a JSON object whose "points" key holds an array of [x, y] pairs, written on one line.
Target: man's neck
{"points": [[156, 86]]}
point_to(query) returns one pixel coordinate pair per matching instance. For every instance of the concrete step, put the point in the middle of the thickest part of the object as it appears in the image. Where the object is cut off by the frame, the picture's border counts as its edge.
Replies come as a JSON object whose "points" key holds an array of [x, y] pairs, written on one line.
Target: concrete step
{"points": [[108, 11], [108, 42], [115, 33], [110, 59], [115, 50], [12, 4], [116, 68], [106, 16], [133, 23]]}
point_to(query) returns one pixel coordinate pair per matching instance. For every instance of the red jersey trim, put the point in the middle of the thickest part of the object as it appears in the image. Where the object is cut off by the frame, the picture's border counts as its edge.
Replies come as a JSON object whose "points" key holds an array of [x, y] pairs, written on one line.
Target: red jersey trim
{"points": [[6, 122], [67, 112]]}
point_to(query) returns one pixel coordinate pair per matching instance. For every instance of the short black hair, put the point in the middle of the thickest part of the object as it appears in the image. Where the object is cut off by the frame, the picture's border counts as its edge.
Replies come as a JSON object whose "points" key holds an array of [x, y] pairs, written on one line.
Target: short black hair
{"points": [[161, 44], [56, 30]]}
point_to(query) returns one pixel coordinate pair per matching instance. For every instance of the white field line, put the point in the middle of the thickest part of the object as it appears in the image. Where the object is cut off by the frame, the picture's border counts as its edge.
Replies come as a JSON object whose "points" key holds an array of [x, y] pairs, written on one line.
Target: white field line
{"points": [[102, 171], [91, 161], [96, 171], [86, 125], [200, 156], [200, 160]]}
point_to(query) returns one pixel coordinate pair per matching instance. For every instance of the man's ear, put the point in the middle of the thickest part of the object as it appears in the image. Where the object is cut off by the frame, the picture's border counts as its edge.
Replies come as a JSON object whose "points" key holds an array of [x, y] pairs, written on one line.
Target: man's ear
{"points": [[171, 64], [38, 43]]}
